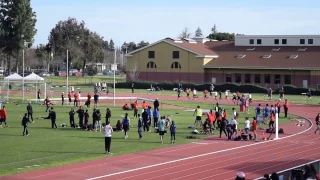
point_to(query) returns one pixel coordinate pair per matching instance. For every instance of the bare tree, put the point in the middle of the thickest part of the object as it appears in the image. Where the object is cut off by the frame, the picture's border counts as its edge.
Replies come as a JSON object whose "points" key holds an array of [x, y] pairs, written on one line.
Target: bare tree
{"points": [[185, 33], [134, 73]]}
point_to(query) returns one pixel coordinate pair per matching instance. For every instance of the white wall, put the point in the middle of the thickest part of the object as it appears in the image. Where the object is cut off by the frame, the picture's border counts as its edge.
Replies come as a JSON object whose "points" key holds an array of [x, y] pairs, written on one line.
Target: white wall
{"points": [[269, 40]]}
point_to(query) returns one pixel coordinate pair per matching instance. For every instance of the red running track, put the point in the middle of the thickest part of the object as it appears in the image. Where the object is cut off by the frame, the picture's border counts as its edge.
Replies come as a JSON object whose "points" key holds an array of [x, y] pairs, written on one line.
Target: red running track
{"points": [[209, 159]]}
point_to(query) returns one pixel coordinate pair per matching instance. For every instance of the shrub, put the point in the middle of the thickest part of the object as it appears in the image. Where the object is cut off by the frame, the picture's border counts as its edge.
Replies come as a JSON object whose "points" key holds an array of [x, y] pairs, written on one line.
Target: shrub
{"points": [[292, 90]]}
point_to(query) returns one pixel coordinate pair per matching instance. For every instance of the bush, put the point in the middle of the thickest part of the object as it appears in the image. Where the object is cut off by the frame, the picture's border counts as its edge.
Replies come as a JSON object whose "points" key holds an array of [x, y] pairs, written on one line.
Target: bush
{"points": [[292, 90], [199, 87]]}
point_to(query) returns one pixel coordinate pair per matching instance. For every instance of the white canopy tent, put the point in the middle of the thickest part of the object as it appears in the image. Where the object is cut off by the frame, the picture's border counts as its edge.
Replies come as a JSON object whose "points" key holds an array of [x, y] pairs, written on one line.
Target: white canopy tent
{"points": [[33, 77], [14, 77]]}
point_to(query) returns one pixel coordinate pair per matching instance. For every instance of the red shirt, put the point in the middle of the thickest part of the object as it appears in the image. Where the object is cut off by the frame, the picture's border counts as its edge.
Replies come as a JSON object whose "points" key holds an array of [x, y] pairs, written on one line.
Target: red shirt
{"points": [[76, 96], [272, 117], [205, 92], [211, 118], [69, 95], [254, 125], [144, 106], [286, 105], [278, 104], [3, 113], [47, 101], [225, 115], [89, 96], [135, 105]]}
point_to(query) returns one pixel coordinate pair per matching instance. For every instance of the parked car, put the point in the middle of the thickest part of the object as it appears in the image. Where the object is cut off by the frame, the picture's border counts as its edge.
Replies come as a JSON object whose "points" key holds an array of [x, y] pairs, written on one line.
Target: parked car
{"points": [[79, 74], [60, 73], [44, 74]]}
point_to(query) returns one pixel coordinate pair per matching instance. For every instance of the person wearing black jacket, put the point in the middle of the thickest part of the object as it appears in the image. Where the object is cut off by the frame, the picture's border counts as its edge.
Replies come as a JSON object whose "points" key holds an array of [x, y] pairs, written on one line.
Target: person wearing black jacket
{"points": [[94, 118], [145, 119], [24, 123], [30, 110], [71, 118], [81, 116], [223, 125], [108, 115], [132, 88], [156, 104], [53, 117]]}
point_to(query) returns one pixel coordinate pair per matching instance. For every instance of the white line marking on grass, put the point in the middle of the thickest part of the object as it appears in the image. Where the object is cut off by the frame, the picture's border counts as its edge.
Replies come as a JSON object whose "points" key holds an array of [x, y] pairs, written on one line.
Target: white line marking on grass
{"points": [[200, 155]]}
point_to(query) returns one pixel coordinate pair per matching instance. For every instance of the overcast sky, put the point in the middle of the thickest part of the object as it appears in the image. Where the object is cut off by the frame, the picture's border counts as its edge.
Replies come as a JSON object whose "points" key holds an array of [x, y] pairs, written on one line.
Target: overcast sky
{"points": [[152, 20]]}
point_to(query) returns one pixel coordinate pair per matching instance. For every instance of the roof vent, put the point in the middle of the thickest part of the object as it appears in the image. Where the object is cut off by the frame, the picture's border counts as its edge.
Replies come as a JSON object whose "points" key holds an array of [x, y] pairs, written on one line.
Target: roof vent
{"points": [[190, 40], [241, 56], [275, 49], [178, 41], [225, 40], [302, 49], [251, 49], [266, 56], [293, 56], [201, 39]]}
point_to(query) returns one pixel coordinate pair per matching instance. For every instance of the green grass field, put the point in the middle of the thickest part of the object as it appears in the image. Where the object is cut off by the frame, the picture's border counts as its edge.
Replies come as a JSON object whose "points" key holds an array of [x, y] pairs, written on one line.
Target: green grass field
{"points": [[46, 147]]}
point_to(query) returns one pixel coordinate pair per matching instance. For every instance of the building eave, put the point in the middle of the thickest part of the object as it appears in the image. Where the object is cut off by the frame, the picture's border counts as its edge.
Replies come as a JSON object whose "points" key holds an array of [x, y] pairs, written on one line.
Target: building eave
{"points": [[207, 56], [260, 68]]}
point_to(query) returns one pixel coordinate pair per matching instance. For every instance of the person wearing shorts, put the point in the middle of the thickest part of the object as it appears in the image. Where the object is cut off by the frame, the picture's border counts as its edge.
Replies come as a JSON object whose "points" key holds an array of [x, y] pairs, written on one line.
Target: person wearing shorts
{"points": [[188, 93], [198, 113], [161, 126], [318, 123]]}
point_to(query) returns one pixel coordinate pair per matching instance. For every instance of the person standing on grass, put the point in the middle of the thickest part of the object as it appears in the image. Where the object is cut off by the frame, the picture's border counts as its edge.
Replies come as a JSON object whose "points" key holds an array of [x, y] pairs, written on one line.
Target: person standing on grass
{"points": [[161, 126], [108, 130], [80, 112], [71, 118], [155, 117], [98, 120], [38, 95], [62, 98], [149, 111], [318, 123], [30, 111], [266, 113], [194, 92], [309, 96], [88, 100], [24, 123], [223, 125], [247, 126], [132, 88], [198, 112], [254, 128], [3, 117], [286, 107], [173, 132], [135, 109], [156, 104], [69, 97], [126, 124], [145, 121], [278, 105], [86, 119], [53, 117], [234, 125], [47, 103], [211, 120], [96, 100], [108, 114], [76, 99], [140, 124]]}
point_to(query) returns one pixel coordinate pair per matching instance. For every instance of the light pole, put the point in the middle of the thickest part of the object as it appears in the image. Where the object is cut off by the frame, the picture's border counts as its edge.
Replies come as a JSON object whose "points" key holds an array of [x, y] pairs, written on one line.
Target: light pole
{"points": [[114, 68], [67, 82]]}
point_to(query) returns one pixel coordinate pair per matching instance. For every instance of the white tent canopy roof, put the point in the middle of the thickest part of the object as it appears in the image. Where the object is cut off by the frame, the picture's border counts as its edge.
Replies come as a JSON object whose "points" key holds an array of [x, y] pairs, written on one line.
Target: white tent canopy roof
{"points": [[13, 77], [33, 77]]}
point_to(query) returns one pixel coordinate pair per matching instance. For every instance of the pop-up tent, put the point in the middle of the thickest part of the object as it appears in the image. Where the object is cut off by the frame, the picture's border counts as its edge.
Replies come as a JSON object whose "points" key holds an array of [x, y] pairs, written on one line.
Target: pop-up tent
{"points": [[33, 77], [13, 77]]}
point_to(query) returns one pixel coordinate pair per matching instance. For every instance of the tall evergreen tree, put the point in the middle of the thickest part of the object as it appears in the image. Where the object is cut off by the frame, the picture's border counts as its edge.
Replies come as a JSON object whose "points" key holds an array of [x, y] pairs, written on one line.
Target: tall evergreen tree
{"points": [[106, 45], [111, 45], [198, 32], [214, 29], [17, 21], [185, 33]]}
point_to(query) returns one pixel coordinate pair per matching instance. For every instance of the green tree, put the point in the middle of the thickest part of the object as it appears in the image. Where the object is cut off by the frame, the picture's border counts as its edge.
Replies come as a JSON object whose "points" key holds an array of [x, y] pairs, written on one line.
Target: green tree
{"points": [[43, 54], [220, 35], [91, 70], [17, 21], [198, 32], [106, 45], [185, 33], [111, 45], [142, 44]]}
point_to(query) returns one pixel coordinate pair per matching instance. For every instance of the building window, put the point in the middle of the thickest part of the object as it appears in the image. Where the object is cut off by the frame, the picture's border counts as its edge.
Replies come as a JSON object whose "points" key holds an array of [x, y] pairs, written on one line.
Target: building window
{"points": [[175, 55], [247, 78], [267, 78], [277, 79], [228, 78], [284, 41], [302, 41], [276, 41], [287, 79], [310, 41], [238, 78], [251, 41], [175, 65], [257, 78], [151, 64], [259, 41], [151, 55]]}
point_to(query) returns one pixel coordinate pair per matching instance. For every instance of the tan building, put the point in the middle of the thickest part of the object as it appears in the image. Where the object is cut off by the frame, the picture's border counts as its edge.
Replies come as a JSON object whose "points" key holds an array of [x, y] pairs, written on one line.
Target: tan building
{"points": [[271, 61]]}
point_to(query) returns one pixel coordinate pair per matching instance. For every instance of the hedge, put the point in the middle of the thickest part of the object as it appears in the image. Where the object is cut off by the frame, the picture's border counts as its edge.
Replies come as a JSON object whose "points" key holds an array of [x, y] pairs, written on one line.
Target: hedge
{"points": [[292, 90], [199, 87]]}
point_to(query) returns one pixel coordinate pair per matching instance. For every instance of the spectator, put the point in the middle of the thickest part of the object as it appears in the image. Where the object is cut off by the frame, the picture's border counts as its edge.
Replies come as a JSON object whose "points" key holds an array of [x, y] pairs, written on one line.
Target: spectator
{"points": [[156, 104], [274, 176], [247, 126], [126, 124], [118, 126], [241, 176], [266, 177], [173, 132]]}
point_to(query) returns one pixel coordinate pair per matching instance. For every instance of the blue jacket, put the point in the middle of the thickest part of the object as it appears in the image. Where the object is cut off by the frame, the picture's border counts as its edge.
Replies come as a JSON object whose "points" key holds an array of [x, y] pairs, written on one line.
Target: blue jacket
{"points": [[173, 128], [140, 123], [155, 113], [149, 112]]}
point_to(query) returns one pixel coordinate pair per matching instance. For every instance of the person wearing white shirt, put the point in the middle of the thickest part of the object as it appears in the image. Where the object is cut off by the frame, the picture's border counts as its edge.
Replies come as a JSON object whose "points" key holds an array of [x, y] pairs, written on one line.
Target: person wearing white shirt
{"points": [[234, 114], [247, 126], [107, 137], [234, 124], [250, 98], [194, 93]]}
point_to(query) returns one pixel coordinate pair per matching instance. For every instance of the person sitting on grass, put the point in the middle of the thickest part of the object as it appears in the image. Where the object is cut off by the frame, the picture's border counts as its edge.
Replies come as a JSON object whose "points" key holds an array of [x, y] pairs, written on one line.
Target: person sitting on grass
{"points": [[119, 126], [206, 127], [125, 107], [42, 117]]}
